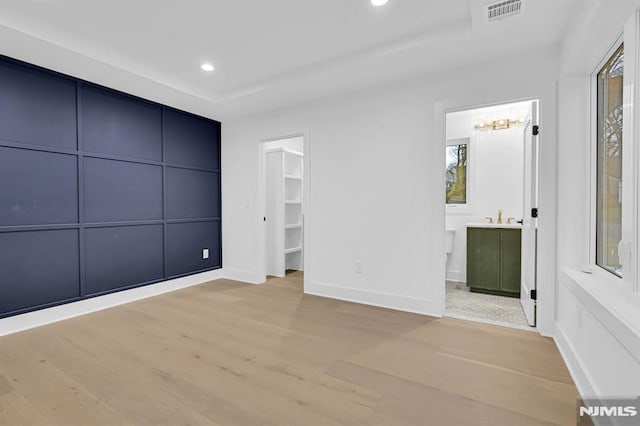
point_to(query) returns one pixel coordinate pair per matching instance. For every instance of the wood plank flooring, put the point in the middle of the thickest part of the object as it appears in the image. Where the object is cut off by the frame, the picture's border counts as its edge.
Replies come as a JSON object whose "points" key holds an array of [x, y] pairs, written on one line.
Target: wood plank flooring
{"points": [[226, 353]]}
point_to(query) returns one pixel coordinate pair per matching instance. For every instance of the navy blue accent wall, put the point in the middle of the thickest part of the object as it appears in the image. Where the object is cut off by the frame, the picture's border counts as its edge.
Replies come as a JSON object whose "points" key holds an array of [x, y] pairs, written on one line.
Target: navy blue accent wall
{"points": [[30, 97], [37, 188], [99, 191], [38, 268], [117, 191], [185, 241], [119, 256]]}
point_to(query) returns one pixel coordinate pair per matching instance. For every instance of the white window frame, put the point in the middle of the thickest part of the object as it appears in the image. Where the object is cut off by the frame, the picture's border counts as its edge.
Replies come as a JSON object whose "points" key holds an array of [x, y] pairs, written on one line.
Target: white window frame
{"points": [[462, 208], [628, 283], [593, 165]]}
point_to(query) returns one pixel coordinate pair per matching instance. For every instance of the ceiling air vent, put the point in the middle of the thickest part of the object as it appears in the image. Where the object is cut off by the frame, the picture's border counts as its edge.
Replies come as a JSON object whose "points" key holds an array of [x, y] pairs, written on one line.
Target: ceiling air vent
{"points": [[502, 10]]}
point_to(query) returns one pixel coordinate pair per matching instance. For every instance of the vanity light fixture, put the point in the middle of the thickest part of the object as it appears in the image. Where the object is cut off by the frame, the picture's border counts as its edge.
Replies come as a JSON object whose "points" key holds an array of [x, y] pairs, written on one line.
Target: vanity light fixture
{"points": [[499, 124], [207, 67], [379, 2]]}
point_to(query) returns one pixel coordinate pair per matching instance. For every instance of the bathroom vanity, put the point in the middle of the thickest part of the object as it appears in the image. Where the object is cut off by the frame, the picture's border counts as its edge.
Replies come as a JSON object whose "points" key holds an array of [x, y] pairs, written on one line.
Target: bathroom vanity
{"points": [[494, 258]]}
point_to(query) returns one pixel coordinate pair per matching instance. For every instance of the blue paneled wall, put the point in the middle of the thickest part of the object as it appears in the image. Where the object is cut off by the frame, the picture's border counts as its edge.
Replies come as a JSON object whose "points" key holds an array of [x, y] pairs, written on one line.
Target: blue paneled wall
{"points": [[99, 191]]}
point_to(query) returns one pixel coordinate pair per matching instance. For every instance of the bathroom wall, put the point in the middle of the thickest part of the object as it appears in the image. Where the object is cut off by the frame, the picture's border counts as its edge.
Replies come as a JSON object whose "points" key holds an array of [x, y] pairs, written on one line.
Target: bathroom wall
{"points": [[495, 174]]}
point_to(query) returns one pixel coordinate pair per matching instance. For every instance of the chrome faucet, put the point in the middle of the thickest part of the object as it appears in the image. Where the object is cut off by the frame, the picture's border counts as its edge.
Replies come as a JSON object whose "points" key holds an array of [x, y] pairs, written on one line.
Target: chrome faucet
{"points": [[500, 216]]}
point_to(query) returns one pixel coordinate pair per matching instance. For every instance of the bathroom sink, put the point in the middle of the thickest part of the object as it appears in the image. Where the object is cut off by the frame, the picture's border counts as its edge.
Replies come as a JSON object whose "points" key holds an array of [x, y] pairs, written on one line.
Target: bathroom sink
{"points": [[494, 225]]}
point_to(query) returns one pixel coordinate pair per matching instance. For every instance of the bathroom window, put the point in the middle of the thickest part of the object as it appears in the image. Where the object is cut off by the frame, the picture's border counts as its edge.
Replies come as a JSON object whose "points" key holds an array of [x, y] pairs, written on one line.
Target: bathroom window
{"points": [[456, 171], [609, 153]]}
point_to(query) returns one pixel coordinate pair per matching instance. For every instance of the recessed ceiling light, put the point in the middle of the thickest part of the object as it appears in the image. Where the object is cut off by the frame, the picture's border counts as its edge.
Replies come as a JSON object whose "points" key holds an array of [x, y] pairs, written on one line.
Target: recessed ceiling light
{"points": [[207, 67], [379, 2]]}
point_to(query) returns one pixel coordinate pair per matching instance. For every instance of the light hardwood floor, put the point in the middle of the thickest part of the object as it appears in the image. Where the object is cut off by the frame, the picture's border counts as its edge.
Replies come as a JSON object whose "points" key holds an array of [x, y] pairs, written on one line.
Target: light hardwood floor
{"points": [[233, 354]]}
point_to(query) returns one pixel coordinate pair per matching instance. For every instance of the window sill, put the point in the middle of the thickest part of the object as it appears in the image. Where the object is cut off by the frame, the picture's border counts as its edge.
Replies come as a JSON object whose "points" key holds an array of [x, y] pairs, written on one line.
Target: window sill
{"points": [[615, 306]]}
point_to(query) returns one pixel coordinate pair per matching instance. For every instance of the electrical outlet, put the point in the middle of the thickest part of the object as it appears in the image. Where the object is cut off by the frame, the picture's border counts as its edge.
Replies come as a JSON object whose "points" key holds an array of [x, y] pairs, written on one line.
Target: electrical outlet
{"points": [[205, 253], [358, 267]]}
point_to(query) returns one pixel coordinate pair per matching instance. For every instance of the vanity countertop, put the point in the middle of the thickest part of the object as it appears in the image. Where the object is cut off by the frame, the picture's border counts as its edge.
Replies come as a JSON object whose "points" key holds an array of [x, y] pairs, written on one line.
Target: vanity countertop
{"points": [[494, 225]]}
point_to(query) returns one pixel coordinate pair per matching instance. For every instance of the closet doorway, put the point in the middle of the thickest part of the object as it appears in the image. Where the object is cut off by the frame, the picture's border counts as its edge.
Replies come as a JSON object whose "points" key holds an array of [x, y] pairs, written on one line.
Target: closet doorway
{"points": [[283, 219]]}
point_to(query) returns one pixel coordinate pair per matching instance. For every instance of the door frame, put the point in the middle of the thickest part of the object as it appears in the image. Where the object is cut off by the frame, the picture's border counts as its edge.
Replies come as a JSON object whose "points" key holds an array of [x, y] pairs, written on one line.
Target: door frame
{"points": [[262, 258], [529, 222], [441, 111]]}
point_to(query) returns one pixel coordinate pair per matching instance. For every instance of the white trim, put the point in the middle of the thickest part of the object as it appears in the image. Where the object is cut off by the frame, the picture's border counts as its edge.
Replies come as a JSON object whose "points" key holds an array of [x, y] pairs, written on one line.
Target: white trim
{"points": [[306, 208], [42, 317], [591, 181], [615, 310], [631, 157], [457, 276], [374, 298], [249, 277], [580, 377]]}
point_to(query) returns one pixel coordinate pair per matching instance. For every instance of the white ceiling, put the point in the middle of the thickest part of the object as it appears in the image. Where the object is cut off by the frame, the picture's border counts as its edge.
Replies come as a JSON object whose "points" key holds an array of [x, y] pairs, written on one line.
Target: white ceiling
{"points": [[272, 53]]}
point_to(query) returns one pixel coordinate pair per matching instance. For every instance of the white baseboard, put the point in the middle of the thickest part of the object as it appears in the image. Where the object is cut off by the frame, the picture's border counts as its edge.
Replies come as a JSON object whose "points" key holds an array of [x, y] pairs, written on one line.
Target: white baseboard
{"points": [[41, 317], [374, 298], [248, 277], [571, 359], [458, 276]]}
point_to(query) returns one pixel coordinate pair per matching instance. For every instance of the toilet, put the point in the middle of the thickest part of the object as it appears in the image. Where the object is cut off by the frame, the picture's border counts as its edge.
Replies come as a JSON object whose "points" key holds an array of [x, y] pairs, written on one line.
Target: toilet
{"points": [[448, 241]]}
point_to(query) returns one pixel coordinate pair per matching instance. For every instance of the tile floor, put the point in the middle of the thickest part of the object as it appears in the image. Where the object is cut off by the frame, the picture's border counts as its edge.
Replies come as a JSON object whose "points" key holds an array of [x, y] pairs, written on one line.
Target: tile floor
{"points": [[499, 310]]}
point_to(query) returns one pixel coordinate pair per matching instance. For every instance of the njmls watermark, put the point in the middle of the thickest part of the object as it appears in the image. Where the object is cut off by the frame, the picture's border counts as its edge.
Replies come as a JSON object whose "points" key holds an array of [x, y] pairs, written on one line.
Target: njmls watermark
{"points": [[610, 411]]}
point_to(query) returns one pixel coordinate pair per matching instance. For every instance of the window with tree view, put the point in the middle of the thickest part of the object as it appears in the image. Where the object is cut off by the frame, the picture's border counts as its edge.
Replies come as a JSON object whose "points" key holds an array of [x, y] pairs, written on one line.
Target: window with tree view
{"points": [[456, 179], [609, 163]]}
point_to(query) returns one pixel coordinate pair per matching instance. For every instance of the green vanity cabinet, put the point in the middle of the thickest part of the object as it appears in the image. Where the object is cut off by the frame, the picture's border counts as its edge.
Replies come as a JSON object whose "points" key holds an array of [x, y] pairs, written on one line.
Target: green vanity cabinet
{"points": [[510, 260], [493, 260], [483, 258]]}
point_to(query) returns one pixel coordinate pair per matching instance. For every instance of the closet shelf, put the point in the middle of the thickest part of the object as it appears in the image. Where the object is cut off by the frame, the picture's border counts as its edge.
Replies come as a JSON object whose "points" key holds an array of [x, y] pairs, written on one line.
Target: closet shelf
{"points": [[284, 195]]}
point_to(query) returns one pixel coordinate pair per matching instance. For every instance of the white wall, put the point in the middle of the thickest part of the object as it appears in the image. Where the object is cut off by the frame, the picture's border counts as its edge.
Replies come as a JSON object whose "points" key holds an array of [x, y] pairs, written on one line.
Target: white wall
{"points": [[499, 179], [495, 174], [597, 322], [375, 174]]}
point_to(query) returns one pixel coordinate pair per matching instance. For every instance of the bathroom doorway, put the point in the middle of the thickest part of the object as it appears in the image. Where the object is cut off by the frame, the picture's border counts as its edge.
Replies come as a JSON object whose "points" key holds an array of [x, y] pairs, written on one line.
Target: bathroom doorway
{"points": [[491, 227], [283, 207]]}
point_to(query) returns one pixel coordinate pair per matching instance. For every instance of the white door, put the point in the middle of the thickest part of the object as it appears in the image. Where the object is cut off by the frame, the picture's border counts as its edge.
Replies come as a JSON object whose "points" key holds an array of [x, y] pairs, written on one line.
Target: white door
{"points": [[529, 222]]}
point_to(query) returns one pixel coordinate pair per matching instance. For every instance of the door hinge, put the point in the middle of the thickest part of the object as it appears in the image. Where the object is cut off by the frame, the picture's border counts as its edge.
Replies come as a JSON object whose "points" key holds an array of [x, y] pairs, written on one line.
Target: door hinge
{"points": [[534, 212], [534, 295], [535, 130]]}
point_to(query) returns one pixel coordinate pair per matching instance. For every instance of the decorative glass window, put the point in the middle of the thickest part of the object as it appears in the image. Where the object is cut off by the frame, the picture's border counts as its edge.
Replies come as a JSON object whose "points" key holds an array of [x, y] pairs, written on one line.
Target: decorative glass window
{"points": [[609, 163], [456, 171]]}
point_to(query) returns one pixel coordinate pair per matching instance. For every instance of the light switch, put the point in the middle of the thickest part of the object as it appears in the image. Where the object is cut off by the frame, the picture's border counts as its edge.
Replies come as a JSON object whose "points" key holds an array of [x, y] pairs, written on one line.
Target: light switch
{"points": [[205, 253]]}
